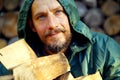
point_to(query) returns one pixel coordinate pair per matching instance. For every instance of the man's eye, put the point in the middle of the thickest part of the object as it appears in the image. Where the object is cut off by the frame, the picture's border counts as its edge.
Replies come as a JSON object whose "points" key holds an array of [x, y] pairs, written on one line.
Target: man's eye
{"points": [[58, 12], [41, 17]]}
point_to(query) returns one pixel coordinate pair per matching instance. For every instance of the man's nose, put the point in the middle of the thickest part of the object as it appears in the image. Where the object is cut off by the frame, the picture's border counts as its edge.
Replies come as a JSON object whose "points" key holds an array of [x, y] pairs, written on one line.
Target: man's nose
{"points": [[52, 21]]}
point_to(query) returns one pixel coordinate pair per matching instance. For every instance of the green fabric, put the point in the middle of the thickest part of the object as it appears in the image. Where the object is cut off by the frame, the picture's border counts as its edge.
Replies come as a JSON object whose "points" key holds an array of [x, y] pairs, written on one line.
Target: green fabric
{"points": [[90, 51]]}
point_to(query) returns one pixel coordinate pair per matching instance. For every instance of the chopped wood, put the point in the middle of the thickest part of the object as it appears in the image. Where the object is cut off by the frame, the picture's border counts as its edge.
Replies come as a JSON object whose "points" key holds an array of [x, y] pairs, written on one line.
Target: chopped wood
{"points": [[9, 29], [11, 4], [3, 43], [112, 25], [16, 54], [93, 17], [82, 9], [43, 68], [110, 7]]}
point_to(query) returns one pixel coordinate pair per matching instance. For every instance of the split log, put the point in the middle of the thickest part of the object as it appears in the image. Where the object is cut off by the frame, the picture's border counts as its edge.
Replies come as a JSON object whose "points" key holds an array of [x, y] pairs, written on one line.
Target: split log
{"points": [[90, 3], [15, 54], [10, 5], [3, 43], [110, 7], [43, 68], [112, 25], [93, 17], [9, 29], [82, 9]]}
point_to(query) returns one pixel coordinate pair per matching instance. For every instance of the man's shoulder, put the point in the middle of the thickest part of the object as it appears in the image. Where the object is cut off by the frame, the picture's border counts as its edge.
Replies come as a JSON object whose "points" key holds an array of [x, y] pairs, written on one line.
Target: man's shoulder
{"points": [[96, 36]]}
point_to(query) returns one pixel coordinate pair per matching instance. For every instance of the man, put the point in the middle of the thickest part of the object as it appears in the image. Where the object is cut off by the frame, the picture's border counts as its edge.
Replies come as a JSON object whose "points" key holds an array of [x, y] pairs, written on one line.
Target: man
{"points": [[52, 26]]}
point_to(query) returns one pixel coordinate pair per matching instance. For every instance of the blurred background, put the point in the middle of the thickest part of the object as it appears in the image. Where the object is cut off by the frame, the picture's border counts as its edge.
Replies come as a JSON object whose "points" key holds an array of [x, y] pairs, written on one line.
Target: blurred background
{"points": [[100, 15]]}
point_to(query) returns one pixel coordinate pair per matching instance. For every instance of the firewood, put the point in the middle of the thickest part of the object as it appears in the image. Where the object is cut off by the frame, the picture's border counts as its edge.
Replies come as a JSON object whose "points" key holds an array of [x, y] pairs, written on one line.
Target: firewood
{"points": [[66, 76], [15, 54], [110, 7], [42, 68], [94, 17], [82, 9], [112, 25], [3, 43], [90, 3], [11, 4], [9, 29]]}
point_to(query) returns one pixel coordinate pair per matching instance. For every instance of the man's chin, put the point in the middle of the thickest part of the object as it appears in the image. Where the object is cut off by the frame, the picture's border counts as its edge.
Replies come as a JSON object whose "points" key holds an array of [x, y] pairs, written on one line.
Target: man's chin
{"points": [[55, 48]]}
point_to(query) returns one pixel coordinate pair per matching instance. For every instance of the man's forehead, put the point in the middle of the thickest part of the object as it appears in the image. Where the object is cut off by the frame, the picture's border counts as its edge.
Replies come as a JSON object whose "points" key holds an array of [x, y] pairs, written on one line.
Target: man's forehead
{"points": [[43, 5], [45, 2]]}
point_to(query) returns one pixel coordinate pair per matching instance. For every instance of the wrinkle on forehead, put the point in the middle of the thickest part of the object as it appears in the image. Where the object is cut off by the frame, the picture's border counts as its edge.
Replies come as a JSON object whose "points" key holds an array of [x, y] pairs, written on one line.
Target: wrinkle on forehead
{"points": [[45, 3]]}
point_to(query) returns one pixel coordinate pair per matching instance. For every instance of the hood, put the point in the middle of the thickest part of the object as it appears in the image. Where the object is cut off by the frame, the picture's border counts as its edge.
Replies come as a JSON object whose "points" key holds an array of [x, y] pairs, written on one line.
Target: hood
{"points": [[70, 8]]}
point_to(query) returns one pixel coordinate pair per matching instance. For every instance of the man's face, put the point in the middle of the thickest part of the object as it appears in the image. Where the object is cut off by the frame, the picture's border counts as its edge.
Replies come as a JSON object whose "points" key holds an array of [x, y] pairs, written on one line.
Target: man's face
{"points": [[51, 24]]}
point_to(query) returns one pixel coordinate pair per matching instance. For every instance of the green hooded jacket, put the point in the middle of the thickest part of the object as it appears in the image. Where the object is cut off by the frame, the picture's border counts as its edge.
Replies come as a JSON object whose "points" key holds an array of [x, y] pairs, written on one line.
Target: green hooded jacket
{"points": [[88, 51]]}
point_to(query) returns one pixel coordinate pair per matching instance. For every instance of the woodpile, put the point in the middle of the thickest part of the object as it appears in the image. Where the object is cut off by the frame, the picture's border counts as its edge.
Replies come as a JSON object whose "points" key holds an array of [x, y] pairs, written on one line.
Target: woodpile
{"points": [[110, 7], [9, 29], [10, 5], [27, 66], [112, 25], [3, 43], [100, 15]]}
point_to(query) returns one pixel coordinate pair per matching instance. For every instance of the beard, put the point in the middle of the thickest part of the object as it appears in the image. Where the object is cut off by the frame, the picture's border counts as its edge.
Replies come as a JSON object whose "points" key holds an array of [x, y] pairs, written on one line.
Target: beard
{"points": [[57, 46]]}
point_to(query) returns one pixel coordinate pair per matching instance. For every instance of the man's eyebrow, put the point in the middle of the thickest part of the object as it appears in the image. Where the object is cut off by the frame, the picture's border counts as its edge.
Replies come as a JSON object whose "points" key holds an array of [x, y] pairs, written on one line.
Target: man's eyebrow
{"points": [[39, 13], [59, 7], [43, 12]]}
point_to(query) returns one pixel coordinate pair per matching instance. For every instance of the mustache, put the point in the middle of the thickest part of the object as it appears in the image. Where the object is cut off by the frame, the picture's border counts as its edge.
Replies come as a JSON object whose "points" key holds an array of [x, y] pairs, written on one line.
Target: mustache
{"points": [[57, 30]]}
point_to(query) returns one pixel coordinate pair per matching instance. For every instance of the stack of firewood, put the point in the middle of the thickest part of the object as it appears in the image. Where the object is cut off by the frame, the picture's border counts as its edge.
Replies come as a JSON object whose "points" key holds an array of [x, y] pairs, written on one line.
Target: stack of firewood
{"points": [[100, 15]]}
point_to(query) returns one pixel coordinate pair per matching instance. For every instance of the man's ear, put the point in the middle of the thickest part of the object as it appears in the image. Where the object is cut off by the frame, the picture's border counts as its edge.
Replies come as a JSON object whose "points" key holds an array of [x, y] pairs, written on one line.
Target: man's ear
{"points": [[32, 26]]}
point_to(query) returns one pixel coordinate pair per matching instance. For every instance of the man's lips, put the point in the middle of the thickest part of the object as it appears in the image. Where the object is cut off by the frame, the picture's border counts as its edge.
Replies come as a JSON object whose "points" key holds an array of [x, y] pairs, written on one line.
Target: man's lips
{"points": [[53, 34]]}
